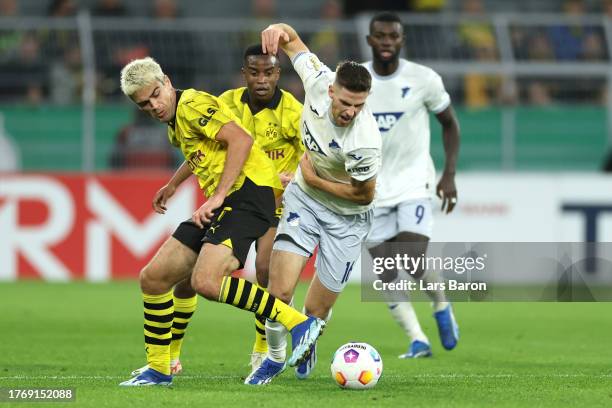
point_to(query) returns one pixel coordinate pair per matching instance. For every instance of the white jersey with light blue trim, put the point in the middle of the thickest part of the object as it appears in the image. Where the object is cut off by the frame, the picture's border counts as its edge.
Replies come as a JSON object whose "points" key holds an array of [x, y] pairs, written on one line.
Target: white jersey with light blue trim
{"points": [[337, 153], [401, 103]]}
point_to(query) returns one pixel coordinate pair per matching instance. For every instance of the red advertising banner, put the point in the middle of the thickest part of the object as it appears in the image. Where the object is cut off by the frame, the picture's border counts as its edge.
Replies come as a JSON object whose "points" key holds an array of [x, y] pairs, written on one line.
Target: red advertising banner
{"points": [[94, 227]]}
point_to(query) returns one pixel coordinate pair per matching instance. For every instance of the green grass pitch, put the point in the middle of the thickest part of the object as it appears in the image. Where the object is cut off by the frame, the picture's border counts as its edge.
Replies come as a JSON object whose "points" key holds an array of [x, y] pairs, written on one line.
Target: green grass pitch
{"points": [[89, 337]]}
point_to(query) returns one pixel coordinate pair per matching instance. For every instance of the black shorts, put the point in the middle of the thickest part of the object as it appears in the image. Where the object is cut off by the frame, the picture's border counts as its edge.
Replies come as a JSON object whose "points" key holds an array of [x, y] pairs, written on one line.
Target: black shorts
{"points": [[244, 216]]}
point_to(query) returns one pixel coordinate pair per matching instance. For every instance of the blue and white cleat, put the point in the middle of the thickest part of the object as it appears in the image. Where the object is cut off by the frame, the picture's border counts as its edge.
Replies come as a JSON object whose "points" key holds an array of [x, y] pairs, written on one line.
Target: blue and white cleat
{"points": [[265, 373], [303, 370], [147, 378], [447, 327], [304, 336], [418, 349]]}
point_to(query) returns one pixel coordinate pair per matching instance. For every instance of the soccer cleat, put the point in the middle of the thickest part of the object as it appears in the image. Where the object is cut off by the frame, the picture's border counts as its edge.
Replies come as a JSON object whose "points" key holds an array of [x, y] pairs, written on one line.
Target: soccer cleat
{"points": [[148, 377], [303, 370], [256, 359], [304, 336], [447, 327], [265, 373], [175, 368], [417, 349]]}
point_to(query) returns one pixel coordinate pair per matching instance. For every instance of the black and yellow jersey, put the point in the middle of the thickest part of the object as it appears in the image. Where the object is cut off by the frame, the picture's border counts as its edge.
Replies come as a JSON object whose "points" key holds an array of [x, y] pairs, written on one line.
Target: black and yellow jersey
{"points": [[276, 127], [199, 117]]}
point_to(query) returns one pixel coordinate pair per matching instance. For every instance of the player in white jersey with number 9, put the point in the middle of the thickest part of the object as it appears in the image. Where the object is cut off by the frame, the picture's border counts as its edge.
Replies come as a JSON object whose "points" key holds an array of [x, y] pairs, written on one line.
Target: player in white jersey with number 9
{"points": [[329, 203], [403, 94]]}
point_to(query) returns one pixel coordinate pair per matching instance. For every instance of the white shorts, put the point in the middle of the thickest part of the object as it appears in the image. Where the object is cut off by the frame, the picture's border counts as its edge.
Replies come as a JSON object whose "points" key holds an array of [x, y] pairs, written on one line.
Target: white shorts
{"points": [[409, 216], [307, 223]]}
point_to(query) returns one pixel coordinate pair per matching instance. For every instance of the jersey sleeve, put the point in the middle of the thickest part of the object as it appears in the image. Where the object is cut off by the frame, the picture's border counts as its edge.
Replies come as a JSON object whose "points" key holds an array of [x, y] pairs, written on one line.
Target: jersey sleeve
{"points": [[437, 99], [207, 116], [363, 164], [315, 75]]}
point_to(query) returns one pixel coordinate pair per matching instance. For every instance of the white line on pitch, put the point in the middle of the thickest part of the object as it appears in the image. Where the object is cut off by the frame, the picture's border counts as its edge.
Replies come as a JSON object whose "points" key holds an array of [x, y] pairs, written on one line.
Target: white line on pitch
{"points": [[227, 377]]}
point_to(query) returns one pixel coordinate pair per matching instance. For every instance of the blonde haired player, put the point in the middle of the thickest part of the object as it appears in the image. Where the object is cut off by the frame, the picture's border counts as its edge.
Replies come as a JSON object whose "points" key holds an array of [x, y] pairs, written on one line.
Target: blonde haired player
{"points": [[238, 180]]}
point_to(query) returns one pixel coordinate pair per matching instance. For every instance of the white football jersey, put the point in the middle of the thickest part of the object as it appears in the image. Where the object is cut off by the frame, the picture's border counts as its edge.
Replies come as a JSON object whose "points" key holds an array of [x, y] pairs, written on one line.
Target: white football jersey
{"points": [[401, 103], [337, 153]]}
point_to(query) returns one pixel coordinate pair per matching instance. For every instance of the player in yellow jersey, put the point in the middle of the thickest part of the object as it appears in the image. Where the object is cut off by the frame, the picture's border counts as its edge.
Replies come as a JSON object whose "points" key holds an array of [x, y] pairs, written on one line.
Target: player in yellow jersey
{"points": [[238, 180], [272, 116]]}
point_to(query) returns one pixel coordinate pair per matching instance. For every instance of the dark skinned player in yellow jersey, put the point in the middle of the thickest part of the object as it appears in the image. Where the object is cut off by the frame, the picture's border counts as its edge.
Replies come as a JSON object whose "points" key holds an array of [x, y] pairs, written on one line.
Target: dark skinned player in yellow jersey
{"points": [[239, 181], [272, 116]]}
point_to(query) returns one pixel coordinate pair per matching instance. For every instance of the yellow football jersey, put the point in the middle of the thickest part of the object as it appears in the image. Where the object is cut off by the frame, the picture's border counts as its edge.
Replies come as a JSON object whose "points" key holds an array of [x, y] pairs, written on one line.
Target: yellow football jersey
{"points": [[276, 127], [199, 117]]}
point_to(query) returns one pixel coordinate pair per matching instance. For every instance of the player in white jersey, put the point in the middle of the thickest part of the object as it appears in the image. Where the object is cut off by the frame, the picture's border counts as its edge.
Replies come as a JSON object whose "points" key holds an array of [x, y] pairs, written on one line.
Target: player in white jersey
{"points": [[403, 94], [329, 203]]}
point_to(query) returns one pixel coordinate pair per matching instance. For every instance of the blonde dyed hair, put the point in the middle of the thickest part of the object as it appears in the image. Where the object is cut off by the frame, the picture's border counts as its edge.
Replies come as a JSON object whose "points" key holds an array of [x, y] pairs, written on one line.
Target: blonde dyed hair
{"points": [[140, 73]]}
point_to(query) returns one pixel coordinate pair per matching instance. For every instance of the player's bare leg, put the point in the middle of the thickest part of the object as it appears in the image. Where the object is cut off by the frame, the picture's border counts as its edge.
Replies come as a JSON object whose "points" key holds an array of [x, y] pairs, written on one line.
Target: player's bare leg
{"points": [[171, 264], [262, 260]]}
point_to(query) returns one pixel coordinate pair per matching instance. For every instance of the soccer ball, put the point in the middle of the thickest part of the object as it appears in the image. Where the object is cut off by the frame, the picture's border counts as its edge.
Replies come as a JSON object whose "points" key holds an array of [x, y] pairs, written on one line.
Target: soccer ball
{"points": [[356, 366]]}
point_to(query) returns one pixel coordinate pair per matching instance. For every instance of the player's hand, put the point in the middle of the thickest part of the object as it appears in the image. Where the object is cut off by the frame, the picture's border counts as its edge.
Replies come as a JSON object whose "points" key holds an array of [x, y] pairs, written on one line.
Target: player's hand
{"points": [[160, 198], [271, 37], [285, 178], [203, 215], [308, 171], [447, 191]]}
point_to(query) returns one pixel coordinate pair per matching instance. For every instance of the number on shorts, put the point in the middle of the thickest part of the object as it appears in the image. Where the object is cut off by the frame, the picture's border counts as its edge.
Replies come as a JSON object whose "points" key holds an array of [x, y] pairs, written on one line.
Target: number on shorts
{"points": [[420, 211], [347, 272]]}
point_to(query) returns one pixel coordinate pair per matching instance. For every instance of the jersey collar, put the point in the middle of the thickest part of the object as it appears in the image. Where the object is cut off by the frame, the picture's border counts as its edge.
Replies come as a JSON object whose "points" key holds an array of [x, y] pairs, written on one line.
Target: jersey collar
{"points": [[273, 104], [179, 92]]}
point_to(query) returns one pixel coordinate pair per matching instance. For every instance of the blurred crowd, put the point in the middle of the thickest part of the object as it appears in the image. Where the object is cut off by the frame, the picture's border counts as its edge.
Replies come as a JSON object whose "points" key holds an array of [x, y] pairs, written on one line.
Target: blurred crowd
{"points": [[45, 66]]}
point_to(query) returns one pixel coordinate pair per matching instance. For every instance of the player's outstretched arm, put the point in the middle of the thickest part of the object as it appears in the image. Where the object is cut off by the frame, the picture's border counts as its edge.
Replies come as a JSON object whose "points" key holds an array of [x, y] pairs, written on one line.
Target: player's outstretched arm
{"points": [[163, 194], [360, 192], [284, 36]]}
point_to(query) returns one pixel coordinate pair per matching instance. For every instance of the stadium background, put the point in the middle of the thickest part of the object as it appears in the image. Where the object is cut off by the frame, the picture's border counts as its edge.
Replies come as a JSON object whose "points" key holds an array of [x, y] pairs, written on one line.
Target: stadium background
{"points": [[530, 80]]}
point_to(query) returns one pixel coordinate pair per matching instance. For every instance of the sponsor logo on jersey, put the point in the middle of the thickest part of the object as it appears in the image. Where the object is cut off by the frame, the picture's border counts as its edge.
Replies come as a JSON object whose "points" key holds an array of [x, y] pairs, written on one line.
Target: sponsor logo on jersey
{"points": [[195, 159], [386, 120], [354, 156], [357, 170], [405, 91], [293, 219], [313, 110], [310, 142], [276, 154], [206, 118]]}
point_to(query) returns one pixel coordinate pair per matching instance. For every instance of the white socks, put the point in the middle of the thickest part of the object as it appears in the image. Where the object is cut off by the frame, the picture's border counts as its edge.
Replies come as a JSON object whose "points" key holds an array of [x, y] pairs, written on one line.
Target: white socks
{"points": [[276, 335], [404, 315]]}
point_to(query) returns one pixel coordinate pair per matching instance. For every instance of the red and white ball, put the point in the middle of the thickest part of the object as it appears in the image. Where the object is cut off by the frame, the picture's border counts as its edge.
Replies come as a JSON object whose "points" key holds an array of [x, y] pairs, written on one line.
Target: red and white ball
{"points": [[356, 366]]}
